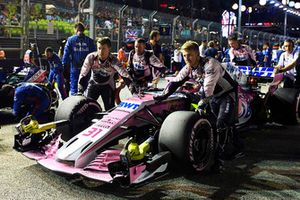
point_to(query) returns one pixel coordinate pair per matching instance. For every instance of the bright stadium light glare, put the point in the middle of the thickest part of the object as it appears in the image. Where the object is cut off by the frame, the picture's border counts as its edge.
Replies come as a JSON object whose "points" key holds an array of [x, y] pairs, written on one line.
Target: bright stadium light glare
{"points": [[284, 9], [272, 2], [284, 2], [235, 6], [276, 4], [292, 4], [243, 8], [281, 6], [262, 2], [297, 5]]}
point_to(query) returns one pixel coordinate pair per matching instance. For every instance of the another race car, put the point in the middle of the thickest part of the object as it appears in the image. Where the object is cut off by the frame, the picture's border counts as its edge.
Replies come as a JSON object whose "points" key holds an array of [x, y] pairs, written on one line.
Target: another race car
{"points": [[136, 141]]}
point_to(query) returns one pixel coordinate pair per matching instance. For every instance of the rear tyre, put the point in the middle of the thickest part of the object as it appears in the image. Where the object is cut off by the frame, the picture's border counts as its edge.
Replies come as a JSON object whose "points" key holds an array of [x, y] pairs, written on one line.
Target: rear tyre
{"points": [[79, 111], [189, 138], [283, 106]]}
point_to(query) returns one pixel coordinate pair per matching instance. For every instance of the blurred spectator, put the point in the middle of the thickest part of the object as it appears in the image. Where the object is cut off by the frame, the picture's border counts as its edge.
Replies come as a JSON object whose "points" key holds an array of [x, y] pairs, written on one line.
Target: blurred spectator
{"points": [[177, 59], [2, 55], [267, 52], [166, 55], [211, 51], [122, 55], [202, 48], [280, 51], [274, 53], [259, 57]]}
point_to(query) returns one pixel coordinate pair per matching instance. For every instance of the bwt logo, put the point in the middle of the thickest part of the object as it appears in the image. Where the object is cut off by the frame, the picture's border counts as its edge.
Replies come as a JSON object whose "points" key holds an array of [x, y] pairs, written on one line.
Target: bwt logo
{"points": [[132, 106]]}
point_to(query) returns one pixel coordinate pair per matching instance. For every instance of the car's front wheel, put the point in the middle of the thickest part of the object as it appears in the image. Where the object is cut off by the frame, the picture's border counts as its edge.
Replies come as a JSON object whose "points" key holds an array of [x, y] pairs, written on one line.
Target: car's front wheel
{"points": [[189, 138]]}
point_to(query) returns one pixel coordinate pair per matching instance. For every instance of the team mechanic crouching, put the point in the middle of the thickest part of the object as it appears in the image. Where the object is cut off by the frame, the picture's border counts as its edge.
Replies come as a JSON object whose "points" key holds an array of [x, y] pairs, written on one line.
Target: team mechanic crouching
{"points": [[32, 99], [218, 89], [103, 66]]}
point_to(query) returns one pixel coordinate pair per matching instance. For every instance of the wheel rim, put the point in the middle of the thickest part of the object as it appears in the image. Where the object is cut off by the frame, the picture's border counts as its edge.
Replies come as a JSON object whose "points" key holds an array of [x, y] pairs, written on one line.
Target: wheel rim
{"points": [[201, 145]]}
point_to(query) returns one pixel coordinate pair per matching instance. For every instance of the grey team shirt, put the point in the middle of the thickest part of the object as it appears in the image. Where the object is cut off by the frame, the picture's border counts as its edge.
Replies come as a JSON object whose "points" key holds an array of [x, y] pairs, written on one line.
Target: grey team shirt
{"points": [[102, 72]]}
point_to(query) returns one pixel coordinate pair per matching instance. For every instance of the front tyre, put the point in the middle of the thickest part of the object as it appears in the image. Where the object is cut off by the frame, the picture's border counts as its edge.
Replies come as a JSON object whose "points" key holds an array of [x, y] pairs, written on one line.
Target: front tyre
{"points": [[79, 111], [189, 138]]}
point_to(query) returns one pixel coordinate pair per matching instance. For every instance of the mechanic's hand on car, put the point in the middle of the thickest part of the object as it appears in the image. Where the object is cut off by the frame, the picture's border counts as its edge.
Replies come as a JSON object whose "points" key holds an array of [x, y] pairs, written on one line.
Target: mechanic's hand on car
{"points": [[278, 69], [133, 88], [202, 105], [160, 97], [80, 90]]}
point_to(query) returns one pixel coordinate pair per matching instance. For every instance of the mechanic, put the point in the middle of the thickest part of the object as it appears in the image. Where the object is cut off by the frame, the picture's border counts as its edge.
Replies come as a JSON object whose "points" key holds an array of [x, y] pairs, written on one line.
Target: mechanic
{"points": [[31, 99], [240, 54], [143, 65], [104, 66], [30, 60], [76, 49], [218, 89], [287, 63], [154, 46], [56, 71]]}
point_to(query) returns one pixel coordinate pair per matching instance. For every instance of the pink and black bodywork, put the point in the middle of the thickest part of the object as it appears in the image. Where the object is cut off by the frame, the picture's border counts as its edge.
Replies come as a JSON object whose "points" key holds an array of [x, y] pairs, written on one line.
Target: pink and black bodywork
{"points": [[96, 151], [91, 143]]}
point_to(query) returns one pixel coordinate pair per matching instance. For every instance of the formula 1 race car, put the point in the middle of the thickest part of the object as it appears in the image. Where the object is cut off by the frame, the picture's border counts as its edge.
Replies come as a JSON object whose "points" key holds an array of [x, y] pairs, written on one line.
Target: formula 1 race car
{"points": [[136, 141]]}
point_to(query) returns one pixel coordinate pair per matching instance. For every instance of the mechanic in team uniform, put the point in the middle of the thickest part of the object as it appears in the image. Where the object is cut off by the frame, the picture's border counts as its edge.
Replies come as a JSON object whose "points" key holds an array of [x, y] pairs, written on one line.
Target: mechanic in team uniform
{"points": [[240, 54], [287, 63], [104, 66], [31, 99], [56, 71], [75, 51], [217, 88], [143, 65]]}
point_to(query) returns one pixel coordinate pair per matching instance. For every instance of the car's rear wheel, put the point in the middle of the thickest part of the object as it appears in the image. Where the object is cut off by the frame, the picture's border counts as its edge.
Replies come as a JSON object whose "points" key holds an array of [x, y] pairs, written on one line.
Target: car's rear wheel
{"points": [[79, 111], [284, 106], [189, 138]]}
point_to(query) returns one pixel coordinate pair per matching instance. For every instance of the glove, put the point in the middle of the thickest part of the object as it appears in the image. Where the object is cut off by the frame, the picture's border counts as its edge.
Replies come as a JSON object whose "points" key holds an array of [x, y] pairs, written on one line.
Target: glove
{"points": [[160, 98], [202, 105], [132, 88], [80, 90]]}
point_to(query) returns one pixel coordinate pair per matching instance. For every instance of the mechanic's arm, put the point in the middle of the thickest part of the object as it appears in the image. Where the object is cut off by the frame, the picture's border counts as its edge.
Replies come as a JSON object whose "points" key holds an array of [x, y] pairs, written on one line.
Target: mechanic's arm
{"points": [[289, 66], [172, 86], [18, 99], [117, 65], [86, 68], [231, 55], [58, 65], [67, 53], [155, 62], [212, 76], [251, 53], [280, 65]]}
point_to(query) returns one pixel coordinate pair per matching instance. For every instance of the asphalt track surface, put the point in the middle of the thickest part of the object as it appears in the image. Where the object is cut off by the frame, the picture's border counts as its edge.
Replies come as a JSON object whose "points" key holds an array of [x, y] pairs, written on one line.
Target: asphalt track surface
{"points": [[270, 170]]}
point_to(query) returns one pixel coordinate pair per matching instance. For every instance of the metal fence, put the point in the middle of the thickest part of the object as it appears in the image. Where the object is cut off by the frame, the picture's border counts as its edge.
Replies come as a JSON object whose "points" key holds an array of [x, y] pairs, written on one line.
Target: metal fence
{"points": [[124, 23]]}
